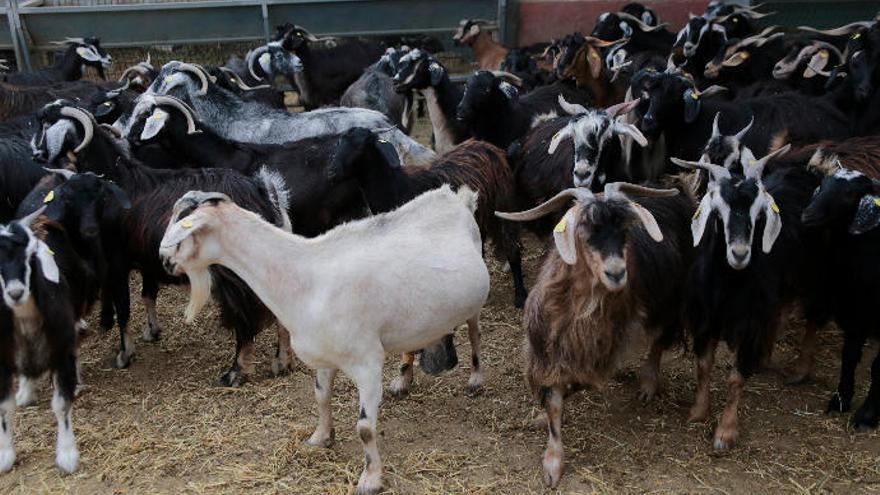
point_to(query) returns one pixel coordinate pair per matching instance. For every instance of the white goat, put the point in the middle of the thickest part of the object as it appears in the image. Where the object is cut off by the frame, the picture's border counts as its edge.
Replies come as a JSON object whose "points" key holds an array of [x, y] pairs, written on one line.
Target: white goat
{"points": [[395, 282]]}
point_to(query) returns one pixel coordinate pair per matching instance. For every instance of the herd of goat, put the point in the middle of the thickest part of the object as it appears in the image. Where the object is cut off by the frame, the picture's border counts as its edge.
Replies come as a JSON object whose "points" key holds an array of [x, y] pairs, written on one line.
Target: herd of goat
{"points": [[698, 186]]}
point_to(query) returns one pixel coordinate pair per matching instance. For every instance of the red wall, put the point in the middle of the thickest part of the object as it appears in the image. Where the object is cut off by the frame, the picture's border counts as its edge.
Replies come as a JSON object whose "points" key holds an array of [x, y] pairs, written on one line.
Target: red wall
{"points": [[541, 20]]}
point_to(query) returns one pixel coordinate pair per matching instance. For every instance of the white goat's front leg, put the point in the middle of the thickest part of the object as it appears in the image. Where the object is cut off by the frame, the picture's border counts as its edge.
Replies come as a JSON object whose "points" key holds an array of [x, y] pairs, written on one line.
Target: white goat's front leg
{"points": [[66, 453], [25, 395], [323, 435], [553, 454], [475, 383], [368, 379], [153, 329], [7, 450], [402, 382]]}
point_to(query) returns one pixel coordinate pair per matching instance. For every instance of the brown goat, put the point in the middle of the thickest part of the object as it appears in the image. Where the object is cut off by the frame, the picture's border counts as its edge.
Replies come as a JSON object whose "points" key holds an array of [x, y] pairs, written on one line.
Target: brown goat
{"points": [[488, 53], [609, 276], [587, 68]]}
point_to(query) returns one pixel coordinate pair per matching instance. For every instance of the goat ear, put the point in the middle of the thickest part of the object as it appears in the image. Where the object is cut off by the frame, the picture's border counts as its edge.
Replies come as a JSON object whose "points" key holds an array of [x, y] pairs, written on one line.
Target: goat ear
{"points": [[631, 131], [564, 235], [817, 63], [867, 216], [701, 218], [648, 221], [56, 135], [178, 231], [88, 53], [563, 133], [154, 124], [594, 59], [773, 225], [47, 262], [692, 105], [736, 59], [119, 195], [388, 152], [437, 72]]}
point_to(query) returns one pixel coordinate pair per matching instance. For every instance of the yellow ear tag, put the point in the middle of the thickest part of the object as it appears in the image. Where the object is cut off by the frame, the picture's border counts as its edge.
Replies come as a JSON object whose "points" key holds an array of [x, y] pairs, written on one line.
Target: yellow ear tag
{"points": [[187, 224], [744, 55], [594, 55], [752, 163], [697, 213], [856, 36], [168, 78], [560, 227], [49, 250], [49, 197], [383, 141], [877, 201], [823, 54], [695, 96], [774, 207], [735, 20]]}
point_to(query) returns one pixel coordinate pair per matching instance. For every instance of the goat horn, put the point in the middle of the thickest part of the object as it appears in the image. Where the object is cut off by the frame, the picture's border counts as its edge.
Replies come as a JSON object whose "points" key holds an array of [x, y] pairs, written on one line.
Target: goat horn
{"points": [[70, 40], [628, 189], [114, 93], [112, 130], [839, 31], [198, 72], [237, 80], [644, 27], [739, 135], [311, 37], [253, 56], [549, 206], [715, 171], [829, 47], [67, 174], [716, 131], [571, 108], [507, 76], [187, 111], [134, 68], [87, 121]]}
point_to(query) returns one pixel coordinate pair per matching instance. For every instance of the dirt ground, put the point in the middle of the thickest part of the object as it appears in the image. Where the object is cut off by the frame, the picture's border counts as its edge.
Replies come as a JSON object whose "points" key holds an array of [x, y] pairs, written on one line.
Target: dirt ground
{"points": [[164, 426]]}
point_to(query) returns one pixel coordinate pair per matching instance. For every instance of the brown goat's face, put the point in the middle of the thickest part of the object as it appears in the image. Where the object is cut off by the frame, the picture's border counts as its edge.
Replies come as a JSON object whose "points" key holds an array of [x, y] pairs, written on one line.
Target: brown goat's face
{"points": [[603, 234]]}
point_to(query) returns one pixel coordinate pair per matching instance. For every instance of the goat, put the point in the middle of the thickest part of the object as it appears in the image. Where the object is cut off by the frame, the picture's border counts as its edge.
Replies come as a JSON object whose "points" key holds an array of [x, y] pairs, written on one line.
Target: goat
{"points": [[329, 65], [139, 76], [419, 71], [492, 110], [16, 101], [108, 105], [43, 284], [805, 65], [375, 90], [19, 173], [524, 66], [736, 269], [844, 207], [482, 167], [703, 36], [611, 26], [68, 66], [132, 242], [488, 53], [421, 263], [601, 283], [742, 62], [252, 122]]}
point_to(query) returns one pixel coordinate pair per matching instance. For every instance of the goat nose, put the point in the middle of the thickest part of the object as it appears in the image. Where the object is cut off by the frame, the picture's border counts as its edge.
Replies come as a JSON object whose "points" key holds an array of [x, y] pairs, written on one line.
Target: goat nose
{"points": [[169, 266], [615, 276], [15, 293], [90, 232], [740, 252]]}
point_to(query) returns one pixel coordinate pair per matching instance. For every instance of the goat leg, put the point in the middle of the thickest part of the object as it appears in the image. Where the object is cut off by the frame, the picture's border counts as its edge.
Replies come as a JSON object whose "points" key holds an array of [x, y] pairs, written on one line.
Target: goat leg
{"points": [[704, 363], [283, 360], [853, 342], [7, 411], [324, 433], [866, 416], [368, 379], [66, 453], [401, 384], [803, 365], [552, 462], [650, 373], [727, 432], [475, 383]]}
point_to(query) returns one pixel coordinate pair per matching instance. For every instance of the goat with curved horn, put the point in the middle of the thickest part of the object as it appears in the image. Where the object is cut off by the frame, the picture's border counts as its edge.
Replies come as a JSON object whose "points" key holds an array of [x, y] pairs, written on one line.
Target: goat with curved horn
{"points": [[507, 76], [549, 206], [844, 30], [188, 112], [238, 82], [87, 121], [641, 24], [199, 72], [254, 56]]}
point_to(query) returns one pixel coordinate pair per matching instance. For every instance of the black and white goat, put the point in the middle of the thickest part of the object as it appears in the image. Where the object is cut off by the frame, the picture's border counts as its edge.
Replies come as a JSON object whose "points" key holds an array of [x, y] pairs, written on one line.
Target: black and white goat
{"points": [[375, 90], [252, 122], [740, 282], [619, 267], [69, 63]]}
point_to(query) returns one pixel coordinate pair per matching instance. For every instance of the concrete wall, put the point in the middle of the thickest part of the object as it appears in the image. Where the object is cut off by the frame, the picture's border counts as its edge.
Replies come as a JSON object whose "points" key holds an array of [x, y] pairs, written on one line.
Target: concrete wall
{"points": [[541, 20]]}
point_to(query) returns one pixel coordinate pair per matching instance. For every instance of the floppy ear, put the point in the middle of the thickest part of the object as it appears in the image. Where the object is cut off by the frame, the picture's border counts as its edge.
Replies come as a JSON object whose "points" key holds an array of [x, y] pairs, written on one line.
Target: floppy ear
{"points": [[178, 231], [817, 63], [509, 91], [56, 135], [104, 108], [691, 105], [474, 30], [564, 235], [47, 262], [119, 195], [595, 61], [563, 133], [648, 221], [631, 131], [88, 53], [388, 152], [867, 216], [701, 218], [154, 124], [437, 72], [265, 62], [736, 59], [773, 225]]}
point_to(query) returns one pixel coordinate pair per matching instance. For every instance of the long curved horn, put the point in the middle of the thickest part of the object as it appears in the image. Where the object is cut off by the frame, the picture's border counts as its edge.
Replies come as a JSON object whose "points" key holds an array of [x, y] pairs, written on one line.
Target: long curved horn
{"points": [[507, 76], [644, 27], [549, 206], [739, 135], [198, 72], [134, 68], [70, 40], [87, 121], [252, 57], [829, 47], [63, 172], [237, 80], [571, 108], [187, 111], [613, 188], [716, 131], [311, 37], [715, 171], [120, 89], [844, 30]]}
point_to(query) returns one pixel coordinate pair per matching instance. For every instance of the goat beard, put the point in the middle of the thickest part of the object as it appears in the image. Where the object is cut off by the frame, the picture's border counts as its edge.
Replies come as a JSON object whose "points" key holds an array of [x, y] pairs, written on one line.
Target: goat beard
{"points": [[199, 293]]}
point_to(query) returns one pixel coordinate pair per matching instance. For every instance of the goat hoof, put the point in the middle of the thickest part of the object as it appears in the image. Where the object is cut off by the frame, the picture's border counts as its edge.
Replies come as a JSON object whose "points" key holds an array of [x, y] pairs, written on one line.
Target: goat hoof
{"points": [[150, 335], [399, 388], [838, 404], [698, 415], [121, 361], [519, 301], [280, 366], [67, 460], [232, 378], [646, 396], [552, 468], [7, 459], [865, 419], [320, 441], [724, 439], [368, 490]]}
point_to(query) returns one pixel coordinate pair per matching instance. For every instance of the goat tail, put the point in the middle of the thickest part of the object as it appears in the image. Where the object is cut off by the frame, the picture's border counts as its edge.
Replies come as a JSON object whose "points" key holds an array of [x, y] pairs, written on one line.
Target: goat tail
{"points": [[279, 196]]}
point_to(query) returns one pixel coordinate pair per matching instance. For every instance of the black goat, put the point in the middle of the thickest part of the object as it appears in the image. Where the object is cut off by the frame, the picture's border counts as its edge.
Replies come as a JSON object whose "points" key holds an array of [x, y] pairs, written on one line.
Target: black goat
{"points": [[612, 26], [375, 90], [481, 166], [736, 269], [152, 194], [19, 173], [845, 208], [68, 64], [16, 101], [330, 65], [492, 110]]}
